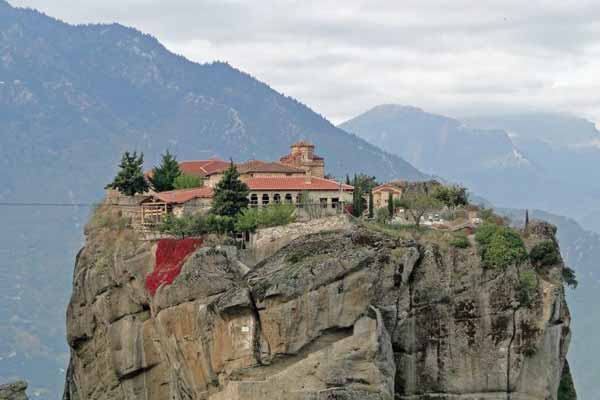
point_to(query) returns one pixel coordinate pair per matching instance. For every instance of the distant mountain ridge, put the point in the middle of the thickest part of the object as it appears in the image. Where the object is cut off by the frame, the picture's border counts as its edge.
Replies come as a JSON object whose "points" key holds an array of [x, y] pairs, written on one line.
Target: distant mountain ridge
{"points": [[498, 156], [72, 98]]}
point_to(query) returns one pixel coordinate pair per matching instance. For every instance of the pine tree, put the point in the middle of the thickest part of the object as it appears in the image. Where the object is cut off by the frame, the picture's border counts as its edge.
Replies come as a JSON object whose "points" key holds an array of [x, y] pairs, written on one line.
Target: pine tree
{"points": [[358, 202], [130, 178], [163, 176], [231, 194], [390, 205]]}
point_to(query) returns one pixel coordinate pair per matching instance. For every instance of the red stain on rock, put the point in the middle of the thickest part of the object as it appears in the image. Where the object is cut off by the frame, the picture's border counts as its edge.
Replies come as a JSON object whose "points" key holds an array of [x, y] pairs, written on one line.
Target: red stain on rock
{"points": [[170, 256]]}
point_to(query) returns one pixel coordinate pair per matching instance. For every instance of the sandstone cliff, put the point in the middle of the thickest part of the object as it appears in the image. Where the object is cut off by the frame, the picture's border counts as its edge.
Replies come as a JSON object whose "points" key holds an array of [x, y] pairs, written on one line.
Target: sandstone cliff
{"points": [[331, 310]]}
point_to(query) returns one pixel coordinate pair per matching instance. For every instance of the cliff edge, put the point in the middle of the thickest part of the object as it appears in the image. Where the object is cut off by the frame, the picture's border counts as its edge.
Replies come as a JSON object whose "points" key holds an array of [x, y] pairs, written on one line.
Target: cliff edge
{"points": [[332, 310]]}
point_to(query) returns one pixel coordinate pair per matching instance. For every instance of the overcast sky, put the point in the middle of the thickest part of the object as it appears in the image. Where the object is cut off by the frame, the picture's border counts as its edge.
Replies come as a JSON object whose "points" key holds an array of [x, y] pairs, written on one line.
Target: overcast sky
{"points": [[342, 57]]}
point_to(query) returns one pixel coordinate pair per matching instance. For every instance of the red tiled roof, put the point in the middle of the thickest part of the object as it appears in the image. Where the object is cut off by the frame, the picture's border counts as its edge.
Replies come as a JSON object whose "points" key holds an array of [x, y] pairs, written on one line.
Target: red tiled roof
{"points": [[263, 166], [386, 188], [294, 183], [203, 167], [184, 195]]}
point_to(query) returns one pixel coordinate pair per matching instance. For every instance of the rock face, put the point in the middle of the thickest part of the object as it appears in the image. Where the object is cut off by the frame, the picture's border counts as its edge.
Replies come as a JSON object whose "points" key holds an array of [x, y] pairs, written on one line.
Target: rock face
{"points": [[349, 313], [13, 391]]}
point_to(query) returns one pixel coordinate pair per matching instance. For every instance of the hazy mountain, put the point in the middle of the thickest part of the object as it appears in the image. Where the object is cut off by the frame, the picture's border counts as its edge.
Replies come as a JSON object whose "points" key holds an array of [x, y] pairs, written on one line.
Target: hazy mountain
{"points": [[72, 98], [486, 161], [554, 156], [567, 148]]}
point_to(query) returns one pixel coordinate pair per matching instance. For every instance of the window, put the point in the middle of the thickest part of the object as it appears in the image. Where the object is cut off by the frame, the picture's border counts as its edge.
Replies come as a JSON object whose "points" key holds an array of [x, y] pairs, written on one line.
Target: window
{"points": [[335, 202], [277, 198], [288, 198], [299, 198], [323, 201], [265, 199], [253, 200]]}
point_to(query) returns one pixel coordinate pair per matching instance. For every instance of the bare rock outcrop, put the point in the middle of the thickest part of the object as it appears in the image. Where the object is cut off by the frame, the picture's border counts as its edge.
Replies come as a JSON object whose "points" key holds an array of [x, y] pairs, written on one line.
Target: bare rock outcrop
{"points": [[13, 391], [348, 313]]}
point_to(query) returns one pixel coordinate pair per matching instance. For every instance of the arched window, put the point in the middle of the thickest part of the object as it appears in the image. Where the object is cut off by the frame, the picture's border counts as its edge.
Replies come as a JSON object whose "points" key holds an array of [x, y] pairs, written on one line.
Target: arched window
{"points": [[253, 200], [265, 199], [288, 198], [277, 198]]}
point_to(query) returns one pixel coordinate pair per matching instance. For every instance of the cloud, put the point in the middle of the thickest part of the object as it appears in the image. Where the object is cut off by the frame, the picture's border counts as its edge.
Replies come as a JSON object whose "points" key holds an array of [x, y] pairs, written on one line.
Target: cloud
{"points": [[456, 57]]}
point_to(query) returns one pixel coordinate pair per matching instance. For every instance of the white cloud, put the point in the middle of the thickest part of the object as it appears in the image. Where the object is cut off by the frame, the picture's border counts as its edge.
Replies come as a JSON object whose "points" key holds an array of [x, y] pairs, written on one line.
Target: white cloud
{"points": [[341, 58]]}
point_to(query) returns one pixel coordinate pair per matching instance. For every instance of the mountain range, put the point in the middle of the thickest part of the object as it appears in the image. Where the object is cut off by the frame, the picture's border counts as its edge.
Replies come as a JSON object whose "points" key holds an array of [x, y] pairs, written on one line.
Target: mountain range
{"points": [[554, 156]]}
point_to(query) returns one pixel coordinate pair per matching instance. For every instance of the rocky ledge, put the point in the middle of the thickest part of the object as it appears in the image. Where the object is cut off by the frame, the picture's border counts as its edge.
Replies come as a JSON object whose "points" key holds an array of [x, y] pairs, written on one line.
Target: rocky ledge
{"points": [[13, 391], [343, 313]]}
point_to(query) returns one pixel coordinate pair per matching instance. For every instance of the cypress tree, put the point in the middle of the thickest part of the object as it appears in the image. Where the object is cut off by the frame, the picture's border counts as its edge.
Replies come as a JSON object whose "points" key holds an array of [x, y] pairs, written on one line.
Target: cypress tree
{"points": [[391, 204], [231, 194], [370, 204], [163, 176], [130, 178]]}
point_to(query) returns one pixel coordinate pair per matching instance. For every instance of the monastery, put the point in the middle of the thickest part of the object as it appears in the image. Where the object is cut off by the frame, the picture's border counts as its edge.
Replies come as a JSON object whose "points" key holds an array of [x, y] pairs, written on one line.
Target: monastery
{"points": [[283, 181]]}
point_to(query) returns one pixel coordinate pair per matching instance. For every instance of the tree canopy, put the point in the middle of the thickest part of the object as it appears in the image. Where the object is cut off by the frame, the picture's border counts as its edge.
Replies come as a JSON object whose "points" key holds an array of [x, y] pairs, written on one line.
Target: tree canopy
{"points": [[452, 196], [130, 178], [163, 177], [231, 194], [186, 181], [417, 204]]}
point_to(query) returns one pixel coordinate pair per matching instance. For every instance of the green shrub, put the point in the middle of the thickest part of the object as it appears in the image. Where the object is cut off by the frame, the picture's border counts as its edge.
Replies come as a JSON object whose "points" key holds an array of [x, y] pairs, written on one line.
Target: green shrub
{"points": [[264, 217], [527, 286], [451, 196], [247, 220], [460, 241], [275, 215], [382, 215], [185, 181], [500, 246], [568, 276], [220, 224], [545, 253]]}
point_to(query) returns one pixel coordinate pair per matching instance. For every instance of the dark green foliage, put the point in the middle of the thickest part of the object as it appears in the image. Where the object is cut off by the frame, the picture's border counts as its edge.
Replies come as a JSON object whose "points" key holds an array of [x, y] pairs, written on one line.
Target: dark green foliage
{"points": [[500, 246], [390, 204], [382, 215], [545, 253], [452, 196], [196, 225], [231, 194], [568, 276], [417, 204], [262, 217], [566, 389], [163, 176], [185, 181], [460, 241], [130, 178], [527, 286], [371, 205], [358, 201]]}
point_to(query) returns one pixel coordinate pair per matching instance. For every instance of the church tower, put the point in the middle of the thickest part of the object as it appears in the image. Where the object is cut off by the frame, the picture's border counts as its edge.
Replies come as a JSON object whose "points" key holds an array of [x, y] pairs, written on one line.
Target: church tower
{"points": [[303, 156]]}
